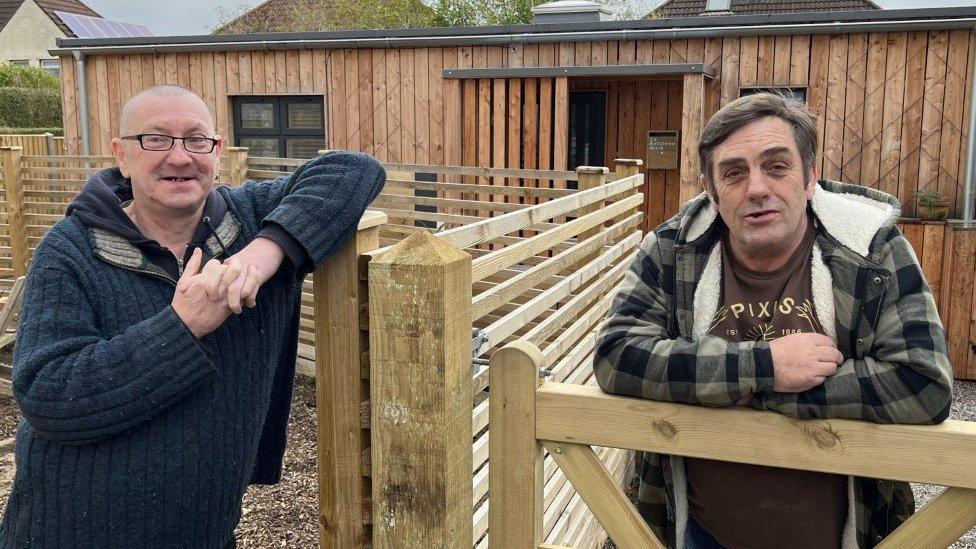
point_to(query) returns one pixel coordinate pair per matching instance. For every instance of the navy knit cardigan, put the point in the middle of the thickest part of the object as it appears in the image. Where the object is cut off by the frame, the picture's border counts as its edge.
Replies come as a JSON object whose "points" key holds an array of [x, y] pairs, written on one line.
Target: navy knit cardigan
{"points": [[136, 433]]}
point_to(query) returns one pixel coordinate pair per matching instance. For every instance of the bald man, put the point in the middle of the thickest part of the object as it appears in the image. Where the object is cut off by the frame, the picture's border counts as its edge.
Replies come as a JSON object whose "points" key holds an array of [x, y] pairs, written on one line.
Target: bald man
{"points": [[156, 353]]}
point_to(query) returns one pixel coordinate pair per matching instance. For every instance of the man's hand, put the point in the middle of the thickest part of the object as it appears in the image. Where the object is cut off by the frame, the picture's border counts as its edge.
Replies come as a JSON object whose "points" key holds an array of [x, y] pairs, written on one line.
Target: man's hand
{"points": [[247, 270], [803, 361], [198, 301]]}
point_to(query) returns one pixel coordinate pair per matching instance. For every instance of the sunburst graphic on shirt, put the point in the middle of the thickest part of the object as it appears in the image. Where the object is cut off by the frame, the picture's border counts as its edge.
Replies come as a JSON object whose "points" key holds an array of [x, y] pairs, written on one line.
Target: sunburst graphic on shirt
{"points": [[762, 332]]}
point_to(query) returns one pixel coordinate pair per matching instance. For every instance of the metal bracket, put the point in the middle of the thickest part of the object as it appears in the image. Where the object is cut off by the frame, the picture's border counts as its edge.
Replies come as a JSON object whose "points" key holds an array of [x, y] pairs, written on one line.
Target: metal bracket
{"points": [[477, 364], [478, 339]]}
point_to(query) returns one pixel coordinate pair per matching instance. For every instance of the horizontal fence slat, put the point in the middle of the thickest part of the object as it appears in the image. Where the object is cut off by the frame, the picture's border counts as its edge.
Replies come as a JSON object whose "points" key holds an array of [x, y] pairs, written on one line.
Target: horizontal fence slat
{"points": [[270, 161], [484, 172], [65, 159], [540, 192], [487, 229], [933, 454], [400, 199]]}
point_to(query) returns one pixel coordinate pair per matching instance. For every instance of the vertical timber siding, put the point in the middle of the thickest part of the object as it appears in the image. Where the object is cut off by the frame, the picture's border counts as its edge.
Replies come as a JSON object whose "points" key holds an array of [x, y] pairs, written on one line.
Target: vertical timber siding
{"points": [[892, 107]]}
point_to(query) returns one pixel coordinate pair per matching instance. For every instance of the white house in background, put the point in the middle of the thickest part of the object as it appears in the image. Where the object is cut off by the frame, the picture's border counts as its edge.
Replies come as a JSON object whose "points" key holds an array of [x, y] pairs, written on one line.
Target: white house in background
{"points": [[29, 28]]}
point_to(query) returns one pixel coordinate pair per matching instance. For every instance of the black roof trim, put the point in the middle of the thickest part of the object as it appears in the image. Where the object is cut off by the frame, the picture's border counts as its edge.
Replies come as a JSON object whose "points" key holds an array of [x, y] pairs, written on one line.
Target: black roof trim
{"points": [[663, 69], [279, 40]]}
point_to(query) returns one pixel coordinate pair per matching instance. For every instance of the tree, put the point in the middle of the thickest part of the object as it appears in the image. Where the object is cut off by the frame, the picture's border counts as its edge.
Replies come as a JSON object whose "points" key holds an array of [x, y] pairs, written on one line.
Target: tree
{"points": [[466, 13], [318, 15]]}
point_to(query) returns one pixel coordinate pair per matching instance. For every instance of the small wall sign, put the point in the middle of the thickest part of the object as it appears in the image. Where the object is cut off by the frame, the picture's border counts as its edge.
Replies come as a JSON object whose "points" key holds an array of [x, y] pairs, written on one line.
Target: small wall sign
{"points": [[662, 149]]}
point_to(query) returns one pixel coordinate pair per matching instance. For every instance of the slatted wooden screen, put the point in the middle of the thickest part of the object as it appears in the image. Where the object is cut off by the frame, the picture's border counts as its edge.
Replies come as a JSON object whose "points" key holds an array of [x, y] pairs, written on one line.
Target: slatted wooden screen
{"points": [[515, 123]]}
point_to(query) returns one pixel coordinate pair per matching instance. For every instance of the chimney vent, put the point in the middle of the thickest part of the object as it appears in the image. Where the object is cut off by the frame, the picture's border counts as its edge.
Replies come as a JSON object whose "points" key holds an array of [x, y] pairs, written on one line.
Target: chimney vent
{"points": [[570, 11]]}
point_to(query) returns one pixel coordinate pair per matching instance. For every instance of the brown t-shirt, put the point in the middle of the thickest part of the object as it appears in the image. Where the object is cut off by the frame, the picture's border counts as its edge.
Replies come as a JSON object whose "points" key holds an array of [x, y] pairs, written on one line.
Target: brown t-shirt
{"points": [[751, 506]]}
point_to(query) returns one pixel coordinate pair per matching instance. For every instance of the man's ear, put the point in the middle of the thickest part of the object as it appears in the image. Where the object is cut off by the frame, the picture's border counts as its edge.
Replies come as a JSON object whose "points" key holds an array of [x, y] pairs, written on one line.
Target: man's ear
{"points": [[813, 176], [707, 189], [119, 151]]}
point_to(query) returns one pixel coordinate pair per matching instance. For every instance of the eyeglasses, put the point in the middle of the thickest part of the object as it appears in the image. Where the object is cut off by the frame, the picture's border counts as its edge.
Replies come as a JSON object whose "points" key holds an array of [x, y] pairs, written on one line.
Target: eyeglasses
{"points": [[160, 142]]}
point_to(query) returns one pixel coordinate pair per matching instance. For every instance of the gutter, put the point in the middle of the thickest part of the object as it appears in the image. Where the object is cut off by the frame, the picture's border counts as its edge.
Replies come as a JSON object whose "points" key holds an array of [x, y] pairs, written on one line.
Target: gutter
{"points": [[373, 39], [82, 100]]}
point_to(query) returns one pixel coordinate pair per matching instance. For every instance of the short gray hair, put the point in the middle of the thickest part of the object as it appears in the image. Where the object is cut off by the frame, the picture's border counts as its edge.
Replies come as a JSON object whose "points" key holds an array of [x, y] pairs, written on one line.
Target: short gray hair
{"points": [[750, 108]]}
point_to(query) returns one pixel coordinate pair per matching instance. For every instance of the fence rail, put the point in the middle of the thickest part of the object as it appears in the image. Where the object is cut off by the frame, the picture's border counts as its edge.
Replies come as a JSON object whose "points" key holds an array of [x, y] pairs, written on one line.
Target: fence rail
{"points": [[566, 419], [39, 144]]}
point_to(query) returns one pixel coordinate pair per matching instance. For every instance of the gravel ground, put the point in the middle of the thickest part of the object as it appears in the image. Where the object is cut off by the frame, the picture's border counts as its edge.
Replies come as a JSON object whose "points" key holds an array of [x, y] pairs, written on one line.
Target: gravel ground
{"points": [[963, 407], [285, 515]]}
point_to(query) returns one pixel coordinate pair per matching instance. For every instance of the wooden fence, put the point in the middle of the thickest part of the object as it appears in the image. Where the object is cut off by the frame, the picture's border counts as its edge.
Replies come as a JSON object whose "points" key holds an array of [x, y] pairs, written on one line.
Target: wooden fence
{"points": [[34, 144], [403, 393], [564, 420]]}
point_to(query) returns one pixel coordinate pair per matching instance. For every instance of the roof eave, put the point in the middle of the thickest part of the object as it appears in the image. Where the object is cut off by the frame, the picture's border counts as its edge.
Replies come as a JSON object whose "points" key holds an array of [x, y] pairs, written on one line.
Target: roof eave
{"points": [[813, 22]]}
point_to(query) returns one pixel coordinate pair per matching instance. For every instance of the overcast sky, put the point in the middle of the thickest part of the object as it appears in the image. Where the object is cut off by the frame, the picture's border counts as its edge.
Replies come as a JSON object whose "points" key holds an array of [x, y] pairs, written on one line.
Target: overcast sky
{"points": [[167, 17]]}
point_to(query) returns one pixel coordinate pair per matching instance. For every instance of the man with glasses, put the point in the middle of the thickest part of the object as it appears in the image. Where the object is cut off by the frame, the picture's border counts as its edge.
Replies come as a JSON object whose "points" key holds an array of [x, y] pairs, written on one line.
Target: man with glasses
{"points": [[156, 354]]}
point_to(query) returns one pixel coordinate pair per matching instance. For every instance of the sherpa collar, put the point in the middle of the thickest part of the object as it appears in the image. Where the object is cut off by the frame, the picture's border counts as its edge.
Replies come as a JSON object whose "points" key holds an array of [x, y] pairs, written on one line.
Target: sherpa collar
{"points": [[835, 206]]}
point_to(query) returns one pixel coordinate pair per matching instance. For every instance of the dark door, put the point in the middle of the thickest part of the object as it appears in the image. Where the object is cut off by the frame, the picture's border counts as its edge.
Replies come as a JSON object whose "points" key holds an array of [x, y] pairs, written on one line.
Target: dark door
{"points": [[587, 127]]}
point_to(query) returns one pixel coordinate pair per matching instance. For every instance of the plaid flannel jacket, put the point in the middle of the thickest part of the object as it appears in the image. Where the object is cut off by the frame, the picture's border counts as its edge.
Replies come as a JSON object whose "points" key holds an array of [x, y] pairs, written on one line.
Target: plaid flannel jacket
{"points": [[869, 294]]}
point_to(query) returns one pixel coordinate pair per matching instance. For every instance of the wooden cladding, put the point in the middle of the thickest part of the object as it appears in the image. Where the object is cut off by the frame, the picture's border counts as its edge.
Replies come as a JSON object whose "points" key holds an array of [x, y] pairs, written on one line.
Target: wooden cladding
{"points": [[957, 303], [947, 254], [892, 107], [510, 123]]}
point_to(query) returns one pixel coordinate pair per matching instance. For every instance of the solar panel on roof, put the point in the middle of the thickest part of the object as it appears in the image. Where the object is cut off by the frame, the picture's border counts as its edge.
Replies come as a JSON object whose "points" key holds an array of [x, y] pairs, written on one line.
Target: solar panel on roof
{"points": [[84, 26]]}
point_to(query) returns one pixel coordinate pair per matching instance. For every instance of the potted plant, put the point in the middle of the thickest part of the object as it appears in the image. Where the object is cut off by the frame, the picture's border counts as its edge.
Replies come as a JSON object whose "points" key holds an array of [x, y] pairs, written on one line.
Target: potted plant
{"points": [[933, 204]]}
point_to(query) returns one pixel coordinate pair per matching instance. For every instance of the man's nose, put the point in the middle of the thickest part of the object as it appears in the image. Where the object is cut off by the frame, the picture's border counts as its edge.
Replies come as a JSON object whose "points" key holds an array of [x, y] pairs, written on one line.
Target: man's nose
{"points": [[178, 155], [758, 185]]}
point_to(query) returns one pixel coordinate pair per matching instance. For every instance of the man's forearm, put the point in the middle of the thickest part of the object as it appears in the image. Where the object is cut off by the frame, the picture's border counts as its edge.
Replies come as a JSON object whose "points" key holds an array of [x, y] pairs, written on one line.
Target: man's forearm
{"points": [[871, 390], [709, 371]]}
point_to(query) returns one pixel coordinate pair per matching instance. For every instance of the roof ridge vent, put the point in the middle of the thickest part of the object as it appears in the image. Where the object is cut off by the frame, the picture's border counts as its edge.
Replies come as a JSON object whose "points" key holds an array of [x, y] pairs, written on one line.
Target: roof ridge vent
{"points": [[570, 11]]}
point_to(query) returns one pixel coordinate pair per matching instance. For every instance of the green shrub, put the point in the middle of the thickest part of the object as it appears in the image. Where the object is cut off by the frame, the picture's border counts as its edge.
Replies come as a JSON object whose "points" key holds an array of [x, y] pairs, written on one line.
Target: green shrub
{"points": [[29, 108], [27, 77], [57, 132]]}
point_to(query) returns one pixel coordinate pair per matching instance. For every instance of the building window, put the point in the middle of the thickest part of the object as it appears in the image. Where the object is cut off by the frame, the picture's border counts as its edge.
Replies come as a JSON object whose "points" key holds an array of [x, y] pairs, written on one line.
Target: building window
{"points": [[52, 66], [796, 93], [19, 62], [280, 126]]}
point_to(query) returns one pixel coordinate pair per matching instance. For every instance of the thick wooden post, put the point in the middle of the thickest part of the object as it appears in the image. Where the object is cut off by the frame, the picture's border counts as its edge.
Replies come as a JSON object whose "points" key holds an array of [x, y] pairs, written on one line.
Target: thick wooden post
{"points": [[517, 477], [628, 167], [420, 394], [237, 165], [692, 122], [340, 297], [13, 184]]}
